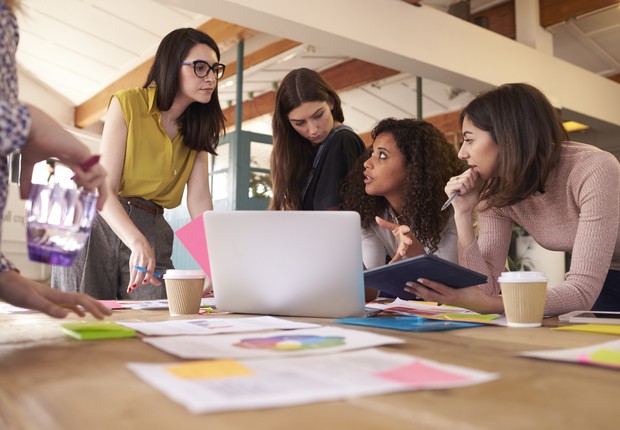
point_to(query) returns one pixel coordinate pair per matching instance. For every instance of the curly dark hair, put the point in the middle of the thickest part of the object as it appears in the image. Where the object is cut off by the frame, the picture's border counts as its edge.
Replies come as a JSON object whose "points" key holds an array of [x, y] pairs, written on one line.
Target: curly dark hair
{"points": [[430, 162]]}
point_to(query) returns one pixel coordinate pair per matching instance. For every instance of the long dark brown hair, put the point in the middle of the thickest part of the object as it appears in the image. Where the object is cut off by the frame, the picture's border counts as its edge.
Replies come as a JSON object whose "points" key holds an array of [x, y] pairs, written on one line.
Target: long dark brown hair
{"points": [[529, 134], [430, 161], [13, 5], [201, 123], [292, 154]]}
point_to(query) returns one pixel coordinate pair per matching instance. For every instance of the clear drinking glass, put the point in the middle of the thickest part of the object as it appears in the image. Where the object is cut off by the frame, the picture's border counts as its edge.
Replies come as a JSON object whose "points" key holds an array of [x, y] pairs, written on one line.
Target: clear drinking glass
{"points": [[58, 222]]}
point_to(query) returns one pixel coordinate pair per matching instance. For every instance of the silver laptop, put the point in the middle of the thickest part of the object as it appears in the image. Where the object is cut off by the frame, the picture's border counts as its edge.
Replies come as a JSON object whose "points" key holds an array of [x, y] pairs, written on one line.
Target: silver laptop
{"points": [[296, 263]]}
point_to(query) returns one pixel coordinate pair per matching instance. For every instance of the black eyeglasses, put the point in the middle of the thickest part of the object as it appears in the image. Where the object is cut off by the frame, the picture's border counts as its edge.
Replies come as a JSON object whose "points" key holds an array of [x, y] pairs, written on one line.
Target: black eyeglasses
{"points": [[202, 68]]}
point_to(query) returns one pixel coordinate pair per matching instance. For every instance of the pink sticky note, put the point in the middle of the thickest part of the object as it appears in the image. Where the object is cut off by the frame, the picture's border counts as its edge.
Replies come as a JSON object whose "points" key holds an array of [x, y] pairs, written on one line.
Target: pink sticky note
{"points": [[192, 236], [112, 304], [420, 374]]}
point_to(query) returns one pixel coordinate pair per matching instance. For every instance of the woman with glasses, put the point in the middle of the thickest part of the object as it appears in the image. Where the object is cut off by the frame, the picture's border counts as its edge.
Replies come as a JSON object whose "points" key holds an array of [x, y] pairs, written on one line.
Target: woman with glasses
{"points": [[312, 150], [155, 142]]}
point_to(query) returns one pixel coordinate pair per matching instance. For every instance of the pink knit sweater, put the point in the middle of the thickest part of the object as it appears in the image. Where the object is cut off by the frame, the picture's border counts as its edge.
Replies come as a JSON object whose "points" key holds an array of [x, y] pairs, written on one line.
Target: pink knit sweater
{"points": [[579, 213]]}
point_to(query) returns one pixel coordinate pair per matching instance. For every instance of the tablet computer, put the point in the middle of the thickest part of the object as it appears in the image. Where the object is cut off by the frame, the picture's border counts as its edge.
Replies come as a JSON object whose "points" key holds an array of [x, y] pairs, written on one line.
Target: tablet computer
{"points": [[392, 278], [591, 317]]}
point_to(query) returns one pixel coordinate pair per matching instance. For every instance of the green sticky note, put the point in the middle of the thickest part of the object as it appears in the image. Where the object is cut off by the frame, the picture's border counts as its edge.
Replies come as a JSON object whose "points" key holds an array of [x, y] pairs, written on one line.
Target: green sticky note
{"points": [[96, 330]]}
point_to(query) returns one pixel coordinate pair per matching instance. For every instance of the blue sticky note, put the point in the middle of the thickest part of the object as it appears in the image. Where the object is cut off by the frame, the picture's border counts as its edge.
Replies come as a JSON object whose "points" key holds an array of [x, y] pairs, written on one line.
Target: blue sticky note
{"points": [[408, 323]]}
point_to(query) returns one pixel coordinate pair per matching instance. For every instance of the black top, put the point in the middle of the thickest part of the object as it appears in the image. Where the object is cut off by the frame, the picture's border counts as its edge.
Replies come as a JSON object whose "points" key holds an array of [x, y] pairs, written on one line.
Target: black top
{"points": [[337, 159]]}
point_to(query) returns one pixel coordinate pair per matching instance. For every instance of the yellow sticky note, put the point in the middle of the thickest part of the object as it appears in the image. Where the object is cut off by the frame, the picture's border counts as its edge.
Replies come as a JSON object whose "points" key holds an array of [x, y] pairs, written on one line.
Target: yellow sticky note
{"points": [[605, 357], [473, 318], [469, 317], [209, 369], [592, 328]]}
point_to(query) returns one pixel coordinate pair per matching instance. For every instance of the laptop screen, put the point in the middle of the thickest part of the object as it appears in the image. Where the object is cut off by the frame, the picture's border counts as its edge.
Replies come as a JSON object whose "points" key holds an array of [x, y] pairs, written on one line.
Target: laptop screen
{"points": [[297, 263]]}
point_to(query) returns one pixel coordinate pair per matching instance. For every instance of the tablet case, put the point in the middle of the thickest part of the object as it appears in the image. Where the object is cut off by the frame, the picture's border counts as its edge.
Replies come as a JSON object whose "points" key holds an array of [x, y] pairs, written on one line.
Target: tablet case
{"points": [[412, 323], [392, 278]]}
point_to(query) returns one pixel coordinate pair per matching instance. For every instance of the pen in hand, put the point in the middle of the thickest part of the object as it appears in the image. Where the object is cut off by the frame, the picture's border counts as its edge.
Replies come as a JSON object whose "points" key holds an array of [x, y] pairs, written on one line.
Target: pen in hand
{"points": [[143, 270], [452, 197]]}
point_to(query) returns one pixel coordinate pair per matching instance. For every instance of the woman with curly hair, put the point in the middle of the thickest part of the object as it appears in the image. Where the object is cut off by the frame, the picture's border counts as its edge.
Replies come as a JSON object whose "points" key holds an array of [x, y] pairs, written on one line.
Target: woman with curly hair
{"points": [[398, 189]]}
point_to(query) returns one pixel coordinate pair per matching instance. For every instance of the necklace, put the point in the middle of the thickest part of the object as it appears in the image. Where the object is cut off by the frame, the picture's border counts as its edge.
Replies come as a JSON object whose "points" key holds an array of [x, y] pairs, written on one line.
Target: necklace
{"points": [[398, 219]]}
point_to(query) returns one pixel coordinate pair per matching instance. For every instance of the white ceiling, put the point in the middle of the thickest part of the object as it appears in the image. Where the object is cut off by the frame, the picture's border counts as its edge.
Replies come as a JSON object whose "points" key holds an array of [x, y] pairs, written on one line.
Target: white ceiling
{"points": [[79, 47]]}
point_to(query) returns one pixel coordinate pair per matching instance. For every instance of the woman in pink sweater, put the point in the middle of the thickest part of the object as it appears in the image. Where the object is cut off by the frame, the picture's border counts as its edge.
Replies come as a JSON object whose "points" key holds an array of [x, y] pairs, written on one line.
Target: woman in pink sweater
{"points": [[566, 195]]}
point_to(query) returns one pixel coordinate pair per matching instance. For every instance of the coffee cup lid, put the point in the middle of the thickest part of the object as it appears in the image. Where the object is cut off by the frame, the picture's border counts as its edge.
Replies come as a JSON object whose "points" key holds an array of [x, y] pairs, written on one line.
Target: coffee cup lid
{"points": [[184, 274], [522, 277]]}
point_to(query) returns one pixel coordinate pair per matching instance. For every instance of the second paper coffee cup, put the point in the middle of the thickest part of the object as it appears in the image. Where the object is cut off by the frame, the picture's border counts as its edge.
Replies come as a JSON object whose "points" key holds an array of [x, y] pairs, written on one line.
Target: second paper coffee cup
{"points": [[524, 295], [184, 290]]}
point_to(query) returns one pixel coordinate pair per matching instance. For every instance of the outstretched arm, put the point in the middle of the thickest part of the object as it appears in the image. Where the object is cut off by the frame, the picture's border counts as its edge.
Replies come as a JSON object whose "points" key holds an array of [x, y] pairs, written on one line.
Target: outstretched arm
{"points": [[22, 292]]}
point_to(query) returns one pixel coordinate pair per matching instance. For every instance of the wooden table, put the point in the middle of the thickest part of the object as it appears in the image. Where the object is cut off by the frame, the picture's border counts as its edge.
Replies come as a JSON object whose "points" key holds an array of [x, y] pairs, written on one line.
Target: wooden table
{"points": [[48, 381]]}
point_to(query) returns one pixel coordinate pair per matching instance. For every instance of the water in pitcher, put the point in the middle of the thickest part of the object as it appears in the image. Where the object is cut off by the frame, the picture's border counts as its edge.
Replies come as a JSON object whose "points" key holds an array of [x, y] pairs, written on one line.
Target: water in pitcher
{"points": [[59, 221]]}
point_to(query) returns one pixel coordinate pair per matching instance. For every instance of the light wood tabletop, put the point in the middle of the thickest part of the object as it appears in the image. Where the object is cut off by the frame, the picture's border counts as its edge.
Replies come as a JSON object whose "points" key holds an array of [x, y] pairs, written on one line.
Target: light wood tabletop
{"points": [[49, 381]]}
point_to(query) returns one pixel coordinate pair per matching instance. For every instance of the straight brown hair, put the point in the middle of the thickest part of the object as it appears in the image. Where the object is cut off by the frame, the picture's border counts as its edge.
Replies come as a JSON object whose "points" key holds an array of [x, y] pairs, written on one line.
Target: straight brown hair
{"points": [[529, 133], [291, 155]]}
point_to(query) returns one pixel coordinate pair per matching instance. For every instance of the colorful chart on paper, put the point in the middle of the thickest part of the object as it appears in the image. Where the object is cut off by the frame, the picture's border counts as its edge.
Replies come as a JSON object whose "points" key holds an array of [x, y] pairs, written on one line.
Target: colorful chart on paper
{"points": [[291, 342]]}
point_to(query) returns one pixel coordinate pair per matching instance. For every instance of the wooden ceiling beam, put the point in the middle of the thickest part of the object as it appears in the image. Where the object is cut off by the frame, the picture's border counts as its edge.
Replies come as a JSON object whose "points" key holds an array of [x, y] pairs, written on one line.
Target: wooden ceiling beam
{"points": [[261, 55], [346, 76], [447, 123], [500, 19], [92, 110], [556, 11]]}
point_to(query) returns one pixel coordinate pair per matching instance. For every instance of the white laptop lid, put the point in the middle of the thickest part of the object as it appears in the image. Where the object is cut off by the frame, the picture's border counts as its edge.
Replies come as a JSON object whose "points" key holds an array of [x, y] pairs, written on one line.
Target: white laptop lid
{"points": [[297, 263]]}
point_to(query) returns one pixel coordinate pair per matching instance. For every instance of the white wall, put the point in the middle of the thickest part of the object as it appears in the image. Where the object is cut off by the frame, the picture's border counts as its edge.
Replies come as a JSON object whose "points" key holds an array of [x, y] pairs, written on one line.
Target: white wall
{"points": [[45, 98]]}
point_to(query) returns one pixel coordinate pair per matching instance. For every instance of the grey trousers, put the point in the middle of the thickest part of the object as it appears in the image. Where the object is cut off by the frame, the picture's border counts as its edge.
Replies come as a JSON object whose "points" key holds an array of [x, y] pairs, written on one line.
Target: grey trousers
{"points": [[102, 268]]}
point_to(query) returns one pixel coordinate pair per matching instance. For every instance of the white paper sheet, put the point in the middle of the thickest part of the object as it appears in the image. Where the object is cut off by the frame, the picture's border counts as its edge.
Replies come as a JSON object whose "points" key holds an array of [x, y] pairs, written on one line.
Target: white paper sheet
{"points": [[206, 326], [602, 354], [226, 385], [159, 304], [423, 307], [324, 340], [7, 308]]}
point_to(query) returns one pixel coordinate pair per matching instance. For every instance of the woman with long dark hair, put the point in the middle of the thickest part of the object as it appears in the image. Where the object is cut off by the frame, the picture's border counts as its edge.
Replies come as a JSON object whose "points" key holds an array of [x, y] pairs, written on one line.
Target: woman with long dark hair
{"points": [[566, 195], [155, 142], [312, 150]]}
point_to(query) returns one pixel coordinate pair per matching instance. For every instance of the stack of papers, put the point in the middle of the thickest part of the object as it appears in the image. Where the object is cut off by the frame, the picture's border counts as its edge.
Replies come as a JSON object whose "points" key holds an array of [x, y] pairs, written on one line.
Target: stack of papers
{"points": [[266, 362], [227, 385], [433, 311]]}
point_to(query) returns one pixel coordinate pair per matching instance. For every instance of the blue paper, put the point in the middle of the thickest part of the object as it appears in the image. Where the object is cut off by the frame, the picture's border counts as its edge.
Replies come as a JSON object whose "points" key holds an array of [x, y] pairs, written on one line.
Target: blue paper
{"points": [[407, 323]]}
